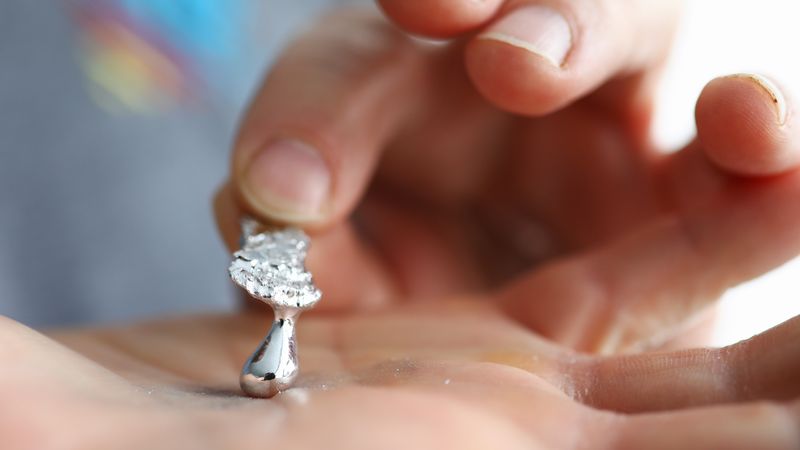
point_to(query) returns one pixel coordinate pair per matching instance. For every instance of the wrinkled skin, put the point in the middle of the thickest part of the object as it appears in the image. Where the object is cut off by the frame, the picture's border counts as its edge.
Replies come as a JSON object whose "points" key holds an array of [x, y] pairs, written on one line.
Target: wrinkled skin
{"points": [[400, 378]]}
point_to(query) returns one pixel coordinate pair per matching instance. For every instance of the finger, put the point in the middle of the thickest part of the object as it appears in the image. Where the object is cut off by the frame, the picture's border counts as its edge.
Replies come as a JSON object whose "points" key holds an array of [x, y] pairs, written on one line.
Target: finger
{"points": [[717, 231], [627, 295], [311, 138], [765, 367], [537, 56], [440, 18], [764, 140], [643, 286], [744, 226], [458, 135], [748, 426]]}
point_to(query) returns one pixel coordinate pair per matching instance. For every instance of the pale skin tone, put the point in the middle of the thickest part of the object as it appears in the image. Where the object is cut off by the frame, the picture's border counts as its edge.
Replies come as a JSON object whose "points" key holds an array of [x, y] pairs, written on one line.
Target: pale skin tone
{"points": [[483, 272], [400, 378]]}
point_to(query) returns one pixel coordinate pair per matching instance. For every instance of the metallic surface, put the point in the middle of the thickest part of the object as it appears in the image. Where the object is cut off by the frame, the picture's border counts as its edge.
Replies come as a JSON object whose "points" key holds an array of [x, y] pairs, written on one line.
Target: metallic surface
{"points": [[271, 268], [273, 366]]}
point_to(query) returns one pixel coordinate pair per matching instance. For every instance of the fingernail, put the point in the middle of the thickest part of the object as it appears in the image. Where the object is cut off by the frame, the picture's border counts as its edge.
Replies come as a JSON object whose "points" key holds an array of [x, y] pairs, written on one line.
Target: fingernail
{"points": [[772, 90], [287, 180], [537, 29]]}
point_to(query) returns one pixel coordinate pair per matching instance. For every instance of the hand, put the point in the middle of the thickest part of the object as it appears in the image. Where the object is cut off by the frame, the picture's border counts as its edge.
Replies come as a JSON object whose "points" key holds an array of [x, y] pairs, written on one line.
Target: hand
{"points": [[592, 237], [400, 378]]}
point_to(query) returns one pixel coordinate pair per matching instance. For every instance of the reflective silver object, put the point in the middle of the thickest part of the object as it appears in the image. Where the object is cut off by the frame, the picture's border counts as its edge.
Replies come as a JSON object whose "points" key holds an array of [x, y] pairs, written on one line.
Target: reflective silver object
{"points": [[270, 266]]}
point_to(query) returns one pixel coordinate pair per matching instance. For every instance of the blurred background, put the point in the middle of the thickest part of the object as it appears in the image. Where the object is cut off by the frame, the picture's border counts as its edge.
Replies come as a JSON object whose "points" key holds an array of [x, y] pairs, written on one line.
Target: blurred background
{"points": [[116, 118]]}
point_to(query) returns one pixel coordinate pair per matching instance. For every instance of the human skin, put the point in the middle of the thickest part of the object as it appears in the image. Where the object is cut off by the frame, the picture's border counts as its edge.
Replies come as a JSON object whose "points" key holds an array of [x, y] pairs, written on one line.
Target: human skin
{"points": [[399, 378], [449, 172], [430, 334]]}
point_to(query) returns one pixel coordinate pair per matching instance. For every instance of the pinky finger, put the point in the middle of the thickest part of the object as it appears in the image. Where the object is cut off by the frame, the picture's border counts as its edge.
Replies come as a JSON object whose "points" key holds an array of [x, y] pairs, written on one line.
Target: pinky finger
{"points": [[746, 125], [765, 367]]}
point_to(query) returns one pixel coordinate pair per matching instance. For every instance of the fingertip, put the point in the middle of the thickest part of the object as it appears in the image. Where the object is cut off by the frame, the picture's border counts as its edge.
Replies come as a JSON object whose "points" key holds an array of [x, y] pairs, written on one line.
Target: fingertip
{"points": [[313, 135], [519, 61], [515, 79], [440, 18], [745, 127], [288, 180]]}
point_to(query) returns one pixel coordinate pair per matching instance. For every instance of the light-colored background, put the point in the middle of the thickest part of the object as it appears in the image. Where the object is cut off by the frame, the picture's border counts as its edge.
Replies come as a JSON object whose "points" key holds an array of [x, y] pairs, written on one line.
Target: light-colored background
{"points": [[720, 37]]}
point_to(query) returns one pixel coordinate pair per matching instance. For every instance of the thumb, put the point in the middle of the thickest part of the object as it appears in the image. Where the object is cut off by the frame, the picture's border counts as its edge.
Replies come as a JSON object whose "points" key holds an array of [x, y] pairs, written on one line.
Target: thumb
{"points": [[310, 141]]}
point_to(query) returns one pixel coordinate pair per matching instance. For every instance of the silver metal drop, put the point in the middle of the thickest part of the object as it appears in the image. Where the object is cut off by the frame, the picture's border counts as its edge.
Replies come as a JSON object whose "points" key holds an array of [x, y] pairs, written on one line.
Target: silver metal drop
{"points": [[273, 366], [270, 266]]}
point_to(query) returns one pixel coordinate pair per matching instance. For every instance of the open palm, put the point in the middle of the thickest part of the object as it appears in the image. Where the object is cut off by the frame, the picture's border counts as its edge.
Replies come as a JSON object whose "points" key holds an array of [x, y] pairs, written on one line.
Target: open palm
{"points": [[400, 378]]}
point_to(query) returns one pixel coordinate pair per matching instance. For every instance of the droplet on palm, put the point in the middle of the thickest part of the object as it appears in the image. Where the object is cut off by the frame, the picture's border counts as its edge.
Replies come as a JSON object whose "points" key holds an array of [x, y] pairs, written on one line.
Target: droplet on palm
{"points": [[271, 267]]}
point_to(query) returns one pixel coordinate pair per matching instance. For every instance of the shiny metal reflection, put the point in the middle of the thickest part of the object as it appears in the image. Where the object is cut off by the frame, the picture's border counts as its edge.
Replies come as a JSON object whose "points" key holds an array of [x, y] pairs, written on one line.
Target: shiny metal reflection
{"points": [[273, 366]]}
